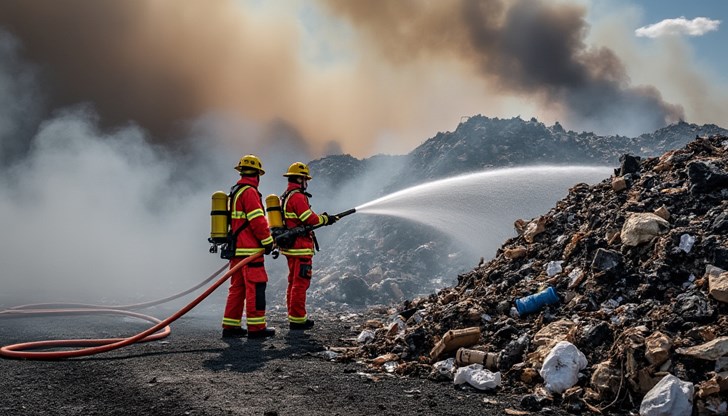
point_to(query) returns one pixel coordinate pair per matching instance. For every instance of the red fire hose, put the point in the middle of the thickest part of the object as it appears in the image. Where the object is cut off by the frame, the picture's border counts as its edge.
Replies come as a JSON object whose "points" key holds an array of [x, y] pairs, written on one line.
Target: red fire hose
{"points": [[94, 346]]}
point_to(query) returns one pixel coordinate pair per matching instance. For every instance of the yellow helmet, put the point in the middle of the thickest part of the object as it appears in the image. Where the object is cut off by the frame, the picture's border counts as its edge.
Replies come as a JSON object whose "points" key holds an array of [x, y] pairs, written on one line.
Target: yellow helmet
{"points": [[298, 169], [250, 164]]}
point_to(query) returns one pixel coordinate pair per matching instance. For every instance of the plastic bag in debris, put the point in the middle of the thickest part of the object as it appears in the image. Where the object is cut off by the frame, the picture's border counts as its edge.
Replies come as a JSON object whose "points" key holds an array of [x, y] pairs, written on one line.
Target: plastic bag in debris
{"points": [[445, 367], [390, 366], [478, 377], [686, 242], [671, 396], [553, 268], [560, 369], [365, 336]]}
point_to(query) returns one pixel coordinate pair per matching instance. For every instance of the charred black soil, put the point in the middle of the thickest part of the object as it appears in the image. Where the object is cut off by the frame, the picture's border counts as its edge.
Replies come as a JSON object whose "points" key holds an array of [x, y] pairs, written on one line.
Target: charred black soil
{"points": [[195, 372]]}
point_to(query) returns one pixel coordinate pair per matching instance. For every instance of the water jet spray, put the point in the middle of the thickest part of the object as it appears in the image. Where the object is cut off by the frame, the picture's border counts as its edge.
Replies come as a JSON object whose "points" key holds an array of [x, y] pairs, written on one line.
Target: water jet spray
{"points": [[414, 203], [478, 209]]}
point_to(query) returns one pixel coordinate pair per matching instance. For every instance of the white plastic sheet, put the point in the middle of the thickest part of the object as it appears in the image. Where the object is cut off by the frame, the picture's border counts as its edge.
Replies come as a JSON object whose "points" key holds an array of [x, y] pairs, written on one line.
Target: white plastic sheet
{"points": [[560, 369], [670, 397], [478, 377]]}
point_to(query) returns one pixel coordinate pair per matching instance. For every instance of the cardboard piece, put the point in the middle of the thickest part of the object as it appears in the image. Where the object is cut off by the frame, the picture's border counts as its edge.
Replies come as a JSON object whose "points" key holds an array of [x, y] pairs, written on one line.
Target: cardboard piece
{"points": [[454, 339]]}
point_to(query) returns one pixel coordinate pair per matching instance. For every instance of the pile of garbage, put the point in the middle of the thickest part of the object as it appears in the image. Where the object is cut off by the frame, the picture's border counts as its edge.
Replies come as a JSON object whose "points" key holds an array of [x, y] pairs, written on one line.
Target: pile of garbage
{"points": [[483, 142], [377, 260], [614, 300]]}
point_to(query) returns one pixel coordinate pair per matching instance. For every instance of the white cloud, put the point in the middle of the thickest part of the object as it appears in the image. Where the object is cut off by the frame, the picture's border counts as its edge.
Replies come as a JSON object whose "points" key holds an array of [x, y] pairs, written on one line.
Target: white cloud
{"points": [[680, 26]]}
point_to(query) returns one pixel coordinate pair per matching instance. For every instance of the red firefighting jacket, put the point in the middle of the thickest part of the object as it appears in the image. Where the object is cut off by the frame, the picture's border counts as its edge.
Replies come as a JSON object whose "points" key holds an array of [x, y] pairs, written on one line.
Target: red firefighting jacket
{"points": [[297, 211], [246, 206]]}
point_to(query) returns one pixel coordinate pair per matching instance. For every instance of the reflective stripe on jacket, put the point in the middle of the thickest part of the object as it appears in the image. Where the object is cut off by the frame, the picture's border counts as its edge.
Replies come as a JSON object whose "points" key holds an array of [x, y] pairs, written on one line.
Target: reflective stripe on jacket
{"points": [[247, 205], [297, 211]]}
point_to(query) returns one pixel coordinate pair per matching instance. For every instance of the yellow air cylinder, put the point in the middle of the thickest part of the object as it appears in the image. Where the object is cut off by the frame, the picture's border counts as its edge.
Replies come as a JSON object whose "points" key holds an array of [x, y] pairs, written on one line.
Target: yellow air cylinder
{"points": [[275, 214], [219, 217]]}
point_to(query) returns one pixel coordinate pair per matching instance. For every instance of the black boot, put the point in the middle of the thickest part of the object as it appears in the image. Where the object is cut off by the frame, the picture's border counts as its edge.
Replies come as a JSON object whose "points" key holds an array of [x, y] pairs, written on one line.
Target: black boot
{"points": [[301, 326], [268, 332], [236, 332]]}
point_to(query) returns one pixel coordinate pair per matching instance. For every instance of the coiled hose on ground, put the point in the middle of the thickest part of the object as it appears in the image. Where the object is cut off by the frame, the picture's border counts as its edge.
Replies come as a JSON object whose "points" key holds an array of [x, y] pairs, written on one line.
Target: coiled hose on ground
{"points": [[95, 346]]}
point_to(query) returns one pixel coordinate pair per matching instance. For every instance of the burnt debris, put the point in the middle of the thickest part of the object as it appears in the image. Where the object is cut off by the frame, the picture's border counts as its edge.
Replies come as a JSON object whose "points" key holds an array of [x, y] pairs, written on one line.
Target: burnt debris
{"points": [[640, 273], [382, 260]]}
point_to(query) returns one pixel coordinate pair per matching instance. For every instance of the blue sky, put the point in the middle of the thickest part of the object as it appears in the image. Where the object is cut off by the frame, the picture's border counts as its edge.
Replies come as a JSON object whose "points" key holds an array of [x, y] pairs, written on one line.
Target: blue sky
{"points": [[710, 48]]}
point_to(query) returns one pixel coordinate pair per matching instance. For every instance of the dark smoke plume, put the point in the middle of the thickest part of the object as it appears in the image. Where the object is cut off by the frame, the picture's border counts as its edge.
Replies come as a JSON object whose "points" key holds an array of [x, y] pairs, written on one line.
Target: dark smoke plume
{"points": [[528, 47], [157, 63], [161, 63]]}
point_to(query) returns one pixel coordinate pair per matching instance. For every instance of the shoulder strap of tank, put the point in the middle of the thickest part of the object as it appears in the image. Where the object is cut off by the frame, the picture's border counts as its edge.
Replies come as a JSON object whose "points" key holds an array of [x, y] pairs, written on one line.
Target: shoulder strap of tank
{"points": [[234, 190], [286, 196], [237, 188]]}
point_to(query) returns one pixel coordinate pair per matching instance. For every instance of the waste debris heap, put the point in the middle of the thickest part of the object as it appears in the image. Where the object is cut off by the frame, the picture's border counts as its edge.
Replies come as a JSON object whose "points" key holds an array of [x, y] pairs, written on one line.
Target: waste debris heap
{"points": [[380, 260], [629, 299]]}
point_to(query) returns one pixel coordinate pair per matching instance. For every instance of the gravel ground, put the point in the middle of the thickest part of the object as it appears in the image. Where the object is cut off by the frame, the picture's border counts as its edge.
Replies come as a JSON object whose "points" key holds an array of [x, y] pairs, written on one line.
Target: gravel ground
{"points": [[195, 372]]}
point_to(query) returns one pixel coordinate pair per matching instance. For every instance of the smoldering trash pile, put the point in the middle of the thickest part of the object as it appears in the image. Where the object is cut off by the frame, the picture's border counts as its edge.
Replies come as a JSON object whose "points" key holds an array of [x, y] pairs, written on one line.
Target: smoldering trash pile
{"points": [[629, 305]]}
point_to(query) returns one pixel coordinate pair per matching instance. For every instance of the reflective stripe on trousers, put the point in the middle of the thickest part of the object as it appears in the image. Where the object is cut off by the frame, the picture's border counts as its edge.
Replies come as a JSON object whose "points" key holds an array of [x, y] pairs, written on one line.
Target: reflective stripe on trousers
{"points": [[299, 280], [247, 291]]}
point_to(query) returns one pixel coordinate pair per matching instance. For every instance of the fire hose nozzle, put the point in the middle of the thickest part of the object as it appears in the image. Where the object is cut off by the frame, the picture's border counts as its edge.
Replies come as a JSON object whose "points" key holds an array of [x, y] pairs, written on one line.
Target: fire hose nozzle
{"points": [[344, 214]]}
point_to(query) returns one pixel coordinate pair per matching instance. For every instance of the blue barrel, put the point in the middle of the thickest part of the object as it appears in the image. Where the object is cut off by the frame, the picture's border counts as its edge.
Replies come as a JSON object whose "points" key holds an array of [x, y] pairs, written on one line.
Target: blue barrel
{"points": [[533, 303]]}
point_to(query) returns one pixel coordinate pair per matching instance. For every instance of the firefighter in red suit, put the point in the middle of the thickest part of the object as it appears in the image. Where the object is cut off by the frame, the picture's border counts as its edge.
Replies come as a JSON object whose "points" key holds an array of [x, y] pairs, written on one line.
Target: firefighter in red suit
{"points": [[247, 286], [297, 211]]}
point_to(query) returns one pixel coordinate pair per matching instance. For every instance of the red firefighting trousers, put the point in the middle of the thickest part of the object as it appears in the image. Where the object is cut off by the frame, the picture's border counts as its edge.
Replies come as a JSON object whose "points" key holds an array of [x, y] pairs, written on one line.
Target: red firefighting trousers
{"points": [[299, 279], [247, 291]]}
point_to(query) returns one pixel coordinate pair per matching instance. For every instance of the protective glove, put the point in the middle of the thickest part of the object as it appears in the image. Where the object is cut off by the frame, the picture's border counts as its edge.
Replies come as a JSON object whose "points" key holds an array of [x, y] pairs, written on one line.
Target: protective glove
{"points": [[329, 219], [268, 248]]}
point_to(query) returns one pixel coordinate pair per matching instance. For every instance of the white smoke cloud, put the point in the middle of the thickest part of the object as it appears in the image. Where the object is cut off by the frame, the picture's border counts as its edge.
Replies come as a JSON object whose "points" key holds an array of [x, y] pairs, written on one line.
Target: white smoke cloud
{"points": [[92, 216], [89, 215], [19, 99], [680, 26], [109, 218]]}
